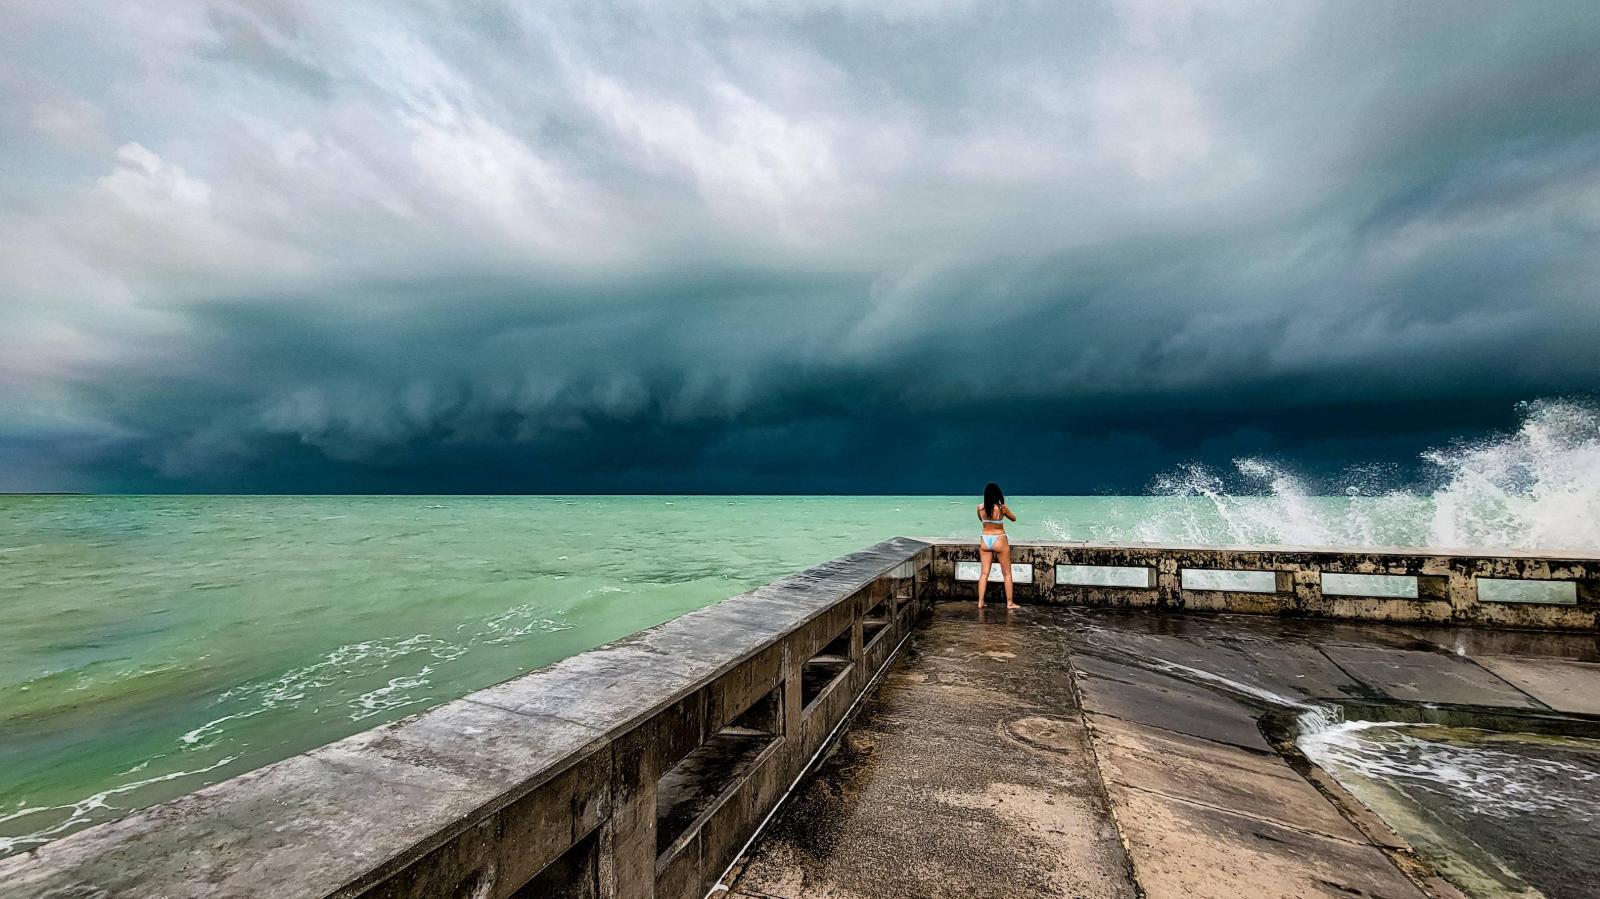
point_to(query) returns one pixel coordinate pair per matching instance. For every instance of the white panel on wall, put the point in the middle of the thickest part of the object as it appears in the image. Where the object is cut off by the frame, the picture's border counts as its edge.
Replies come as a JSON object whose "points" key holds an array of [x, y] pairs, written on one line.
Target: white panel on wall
{"points": [[1103, 576], [1231, 581], [1383, 586], [1021, 572], [1560, 593]]}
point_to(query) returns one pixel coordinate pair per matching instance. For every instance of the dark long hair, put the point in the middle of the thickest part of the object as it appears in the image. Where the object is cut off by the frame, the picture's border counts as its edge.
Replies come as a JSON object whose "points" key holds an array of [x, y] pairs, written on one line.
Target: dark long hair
{"points": [[992, 499]]}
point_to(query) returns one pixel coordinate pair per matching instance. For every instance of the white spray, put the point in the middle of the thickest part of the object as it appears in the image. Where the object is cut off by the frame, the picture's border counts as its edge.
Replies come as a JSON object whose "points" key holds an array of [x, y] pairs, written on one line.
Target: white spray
{"points": [[1535, 488]]}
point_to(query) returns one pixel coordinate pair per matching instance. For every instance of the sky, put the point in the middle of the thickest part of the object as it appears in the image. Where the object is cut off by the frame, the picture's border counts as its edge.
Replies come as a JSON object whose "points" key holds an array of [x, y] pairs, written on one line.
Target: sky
{"points": [[901, 246]]}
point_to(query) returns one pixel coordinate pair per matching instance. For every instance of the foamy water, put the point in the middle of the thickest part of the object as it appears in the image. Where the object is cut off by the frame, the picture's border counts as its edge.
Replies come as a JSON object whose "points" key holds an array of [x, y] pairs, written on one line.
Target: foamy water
{"points": [[1501, 815], [1486, 777], [1535, 488]]}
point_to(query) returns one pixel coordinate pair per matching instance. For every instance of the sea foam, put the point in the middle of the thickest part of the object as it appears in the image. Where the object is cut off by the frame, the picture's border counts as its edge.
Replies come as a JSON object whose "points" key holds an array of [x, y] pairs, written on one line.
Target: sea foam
{"points": [[1537, 487]]}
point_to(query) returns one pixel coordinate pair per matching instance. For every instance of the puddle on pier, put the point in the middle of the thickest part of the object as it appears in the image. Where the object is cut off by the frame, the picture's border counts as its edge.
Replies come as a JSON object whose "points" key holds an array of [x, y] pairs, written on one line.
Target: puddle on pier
{"points": [[1499, 814]]}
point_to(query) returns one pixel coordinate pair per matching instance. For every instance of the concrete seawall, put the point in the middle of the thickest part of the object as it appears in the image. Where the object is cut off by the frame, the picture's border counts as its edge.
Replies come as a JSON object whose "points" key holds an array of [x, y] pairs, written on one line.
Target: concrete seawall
{"points": [[642, 768], [1558, 591]]}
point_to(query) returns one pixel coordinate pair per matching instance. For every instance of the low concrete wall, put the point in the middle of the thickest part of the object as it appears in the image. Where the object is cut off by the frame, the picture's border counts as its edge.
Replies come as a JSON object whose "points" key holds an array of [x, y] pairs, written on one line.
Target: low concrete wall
{"points": [[1446, 581], [635, 770]]}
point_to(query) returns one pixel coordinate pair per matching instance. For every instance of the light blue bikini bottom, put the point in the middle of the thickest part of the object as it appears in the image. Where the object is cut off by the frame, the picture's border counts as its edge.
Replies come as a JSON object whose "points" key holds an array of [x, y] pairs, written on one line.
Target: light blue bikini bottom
{"points": [[989, 540]]}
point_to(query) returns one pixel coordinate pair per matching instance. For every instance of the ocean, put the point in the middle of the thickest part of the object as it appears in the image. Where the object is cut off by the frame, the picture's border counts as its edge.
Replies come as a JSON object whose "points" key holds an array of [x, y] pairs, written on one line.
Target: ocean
{"points": [[150, 645]]}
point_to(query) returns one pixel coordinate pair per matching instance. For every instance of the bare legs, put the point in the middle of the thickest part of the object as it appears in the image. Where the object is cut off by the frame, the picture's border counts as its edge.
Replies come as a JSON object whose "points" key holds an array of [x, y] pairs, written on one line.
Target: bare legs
{"points": [[1005, 569], [986, 558]]}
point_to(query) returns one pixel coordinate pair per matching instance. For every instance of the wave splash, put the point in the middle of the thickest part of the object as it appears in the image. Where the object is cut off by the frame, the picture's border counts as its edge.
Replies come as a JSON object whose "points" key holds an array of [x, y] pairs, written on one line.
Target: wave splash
{"points": [[1537, 488]]}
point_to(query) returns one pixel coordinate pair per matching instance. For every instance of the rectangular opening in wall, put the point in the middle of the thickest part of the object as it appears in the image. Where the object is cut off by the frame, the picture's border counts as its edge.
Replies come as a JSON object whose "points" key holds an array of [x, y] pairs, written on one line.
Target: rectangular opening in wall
{"points": [[905, 589], [692, 786], [1021, 572], [1556, 593], [876, 621], [1230, 581], [824, 668], [575, 875], [1380, 586], [1105, 576]]}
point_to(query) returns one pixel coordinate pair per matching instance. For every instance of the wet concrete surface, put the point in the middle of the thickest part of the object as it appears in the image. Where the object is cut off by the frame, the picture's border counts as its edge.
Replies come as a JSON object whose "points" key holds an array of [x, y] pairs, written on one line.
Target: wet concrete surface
{"points": [[1427, 676], [1506, 815], [967, 773], [1136, 694], [1563, 685], [1172, 765], [1006, 756], [1186, 849]]}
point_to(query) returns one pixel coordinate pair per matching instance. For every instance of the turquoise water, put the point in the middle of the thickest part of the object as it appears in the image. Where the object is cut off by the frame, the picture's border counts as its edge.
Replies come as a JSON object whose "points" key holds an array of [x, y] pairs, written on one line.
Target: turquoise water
{"points": [[152, 645]]}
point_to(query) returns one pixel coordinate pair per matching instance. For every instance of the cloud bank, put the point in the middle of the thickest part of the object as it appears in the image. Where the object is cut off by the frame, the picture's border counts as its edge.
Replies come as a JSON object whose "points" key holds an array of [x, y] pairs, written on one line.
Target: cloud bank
{"points": [[827, 246]]}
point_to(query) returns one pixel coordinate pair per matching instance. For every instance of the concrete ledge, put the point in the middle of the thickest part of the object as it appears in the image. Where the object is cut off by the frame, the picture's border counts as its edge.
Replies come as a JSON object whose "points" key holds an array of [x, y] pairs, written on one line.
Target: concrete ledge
{"points": [[1445, 581], [547, 784]]}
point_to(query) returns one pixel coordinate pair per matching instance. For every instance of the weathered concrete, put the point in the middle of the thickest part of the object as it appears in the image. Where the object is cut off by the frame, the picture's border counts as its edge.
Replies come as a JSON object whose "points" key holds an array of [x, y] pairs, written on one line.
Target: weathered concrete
{"points": [[1561, 684], [1205, 806], [1185, 850], [967, 773], [937, 791], [1205, 811], [1173, 765], [1141, 695], [1426, 676], [1446, 581]]}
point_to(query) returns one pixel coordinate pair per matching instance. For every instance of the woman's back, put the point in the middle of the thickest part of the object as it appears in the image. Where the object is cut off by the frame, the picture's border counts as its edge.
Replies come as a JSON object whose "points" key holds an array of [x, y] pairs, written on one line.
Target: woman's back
{"points": [[994, 519]]}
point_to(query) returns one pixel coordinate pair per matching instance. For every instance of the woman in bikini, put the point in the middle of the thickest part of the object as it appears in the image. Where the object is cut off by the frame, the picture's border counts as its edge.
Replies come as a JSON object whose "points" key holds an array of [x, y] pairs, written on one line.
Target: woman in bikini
{"points": [[992, 542]]}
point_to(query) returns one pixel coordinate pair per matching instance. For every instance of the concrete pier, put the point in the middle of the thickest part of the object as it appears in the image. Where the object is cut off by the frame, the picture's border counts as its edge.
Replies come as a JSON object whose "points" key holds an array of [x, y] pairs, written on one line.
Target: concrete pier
{"points": [[969, 768], [1047, 751], [1115, 736]]}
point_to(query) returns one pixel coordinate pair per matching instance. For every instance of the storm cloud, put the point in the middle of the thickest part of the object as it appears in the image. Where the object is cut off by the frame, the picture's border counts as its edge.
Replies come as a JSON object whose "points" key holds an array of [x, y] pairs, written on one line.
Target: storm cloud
{"points": [[831, 246]]}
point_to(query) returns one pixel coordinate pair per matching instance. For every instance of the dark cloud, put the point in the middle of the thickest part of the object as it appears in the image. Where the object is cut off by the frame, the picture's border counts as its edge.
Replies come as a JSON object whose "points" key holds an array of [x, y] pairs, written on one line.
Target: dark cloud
{"points": [[897, 248]]}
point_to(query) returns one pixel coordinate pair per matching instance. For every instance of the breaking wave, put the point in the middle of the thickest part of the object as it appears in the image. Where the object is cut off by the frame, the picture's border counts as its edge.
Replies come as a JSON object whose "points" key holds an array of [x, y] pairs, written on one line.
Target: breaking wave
{"points": [[1535, 488]]}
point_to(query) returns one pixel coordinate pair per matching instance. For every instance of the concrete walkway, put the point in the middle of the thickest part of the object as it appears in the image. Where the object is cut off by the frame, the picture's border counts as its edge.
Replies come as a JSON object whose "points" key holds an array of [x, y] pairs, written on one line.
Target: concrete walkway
{"points": [[967, 773], [975, 769]]}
